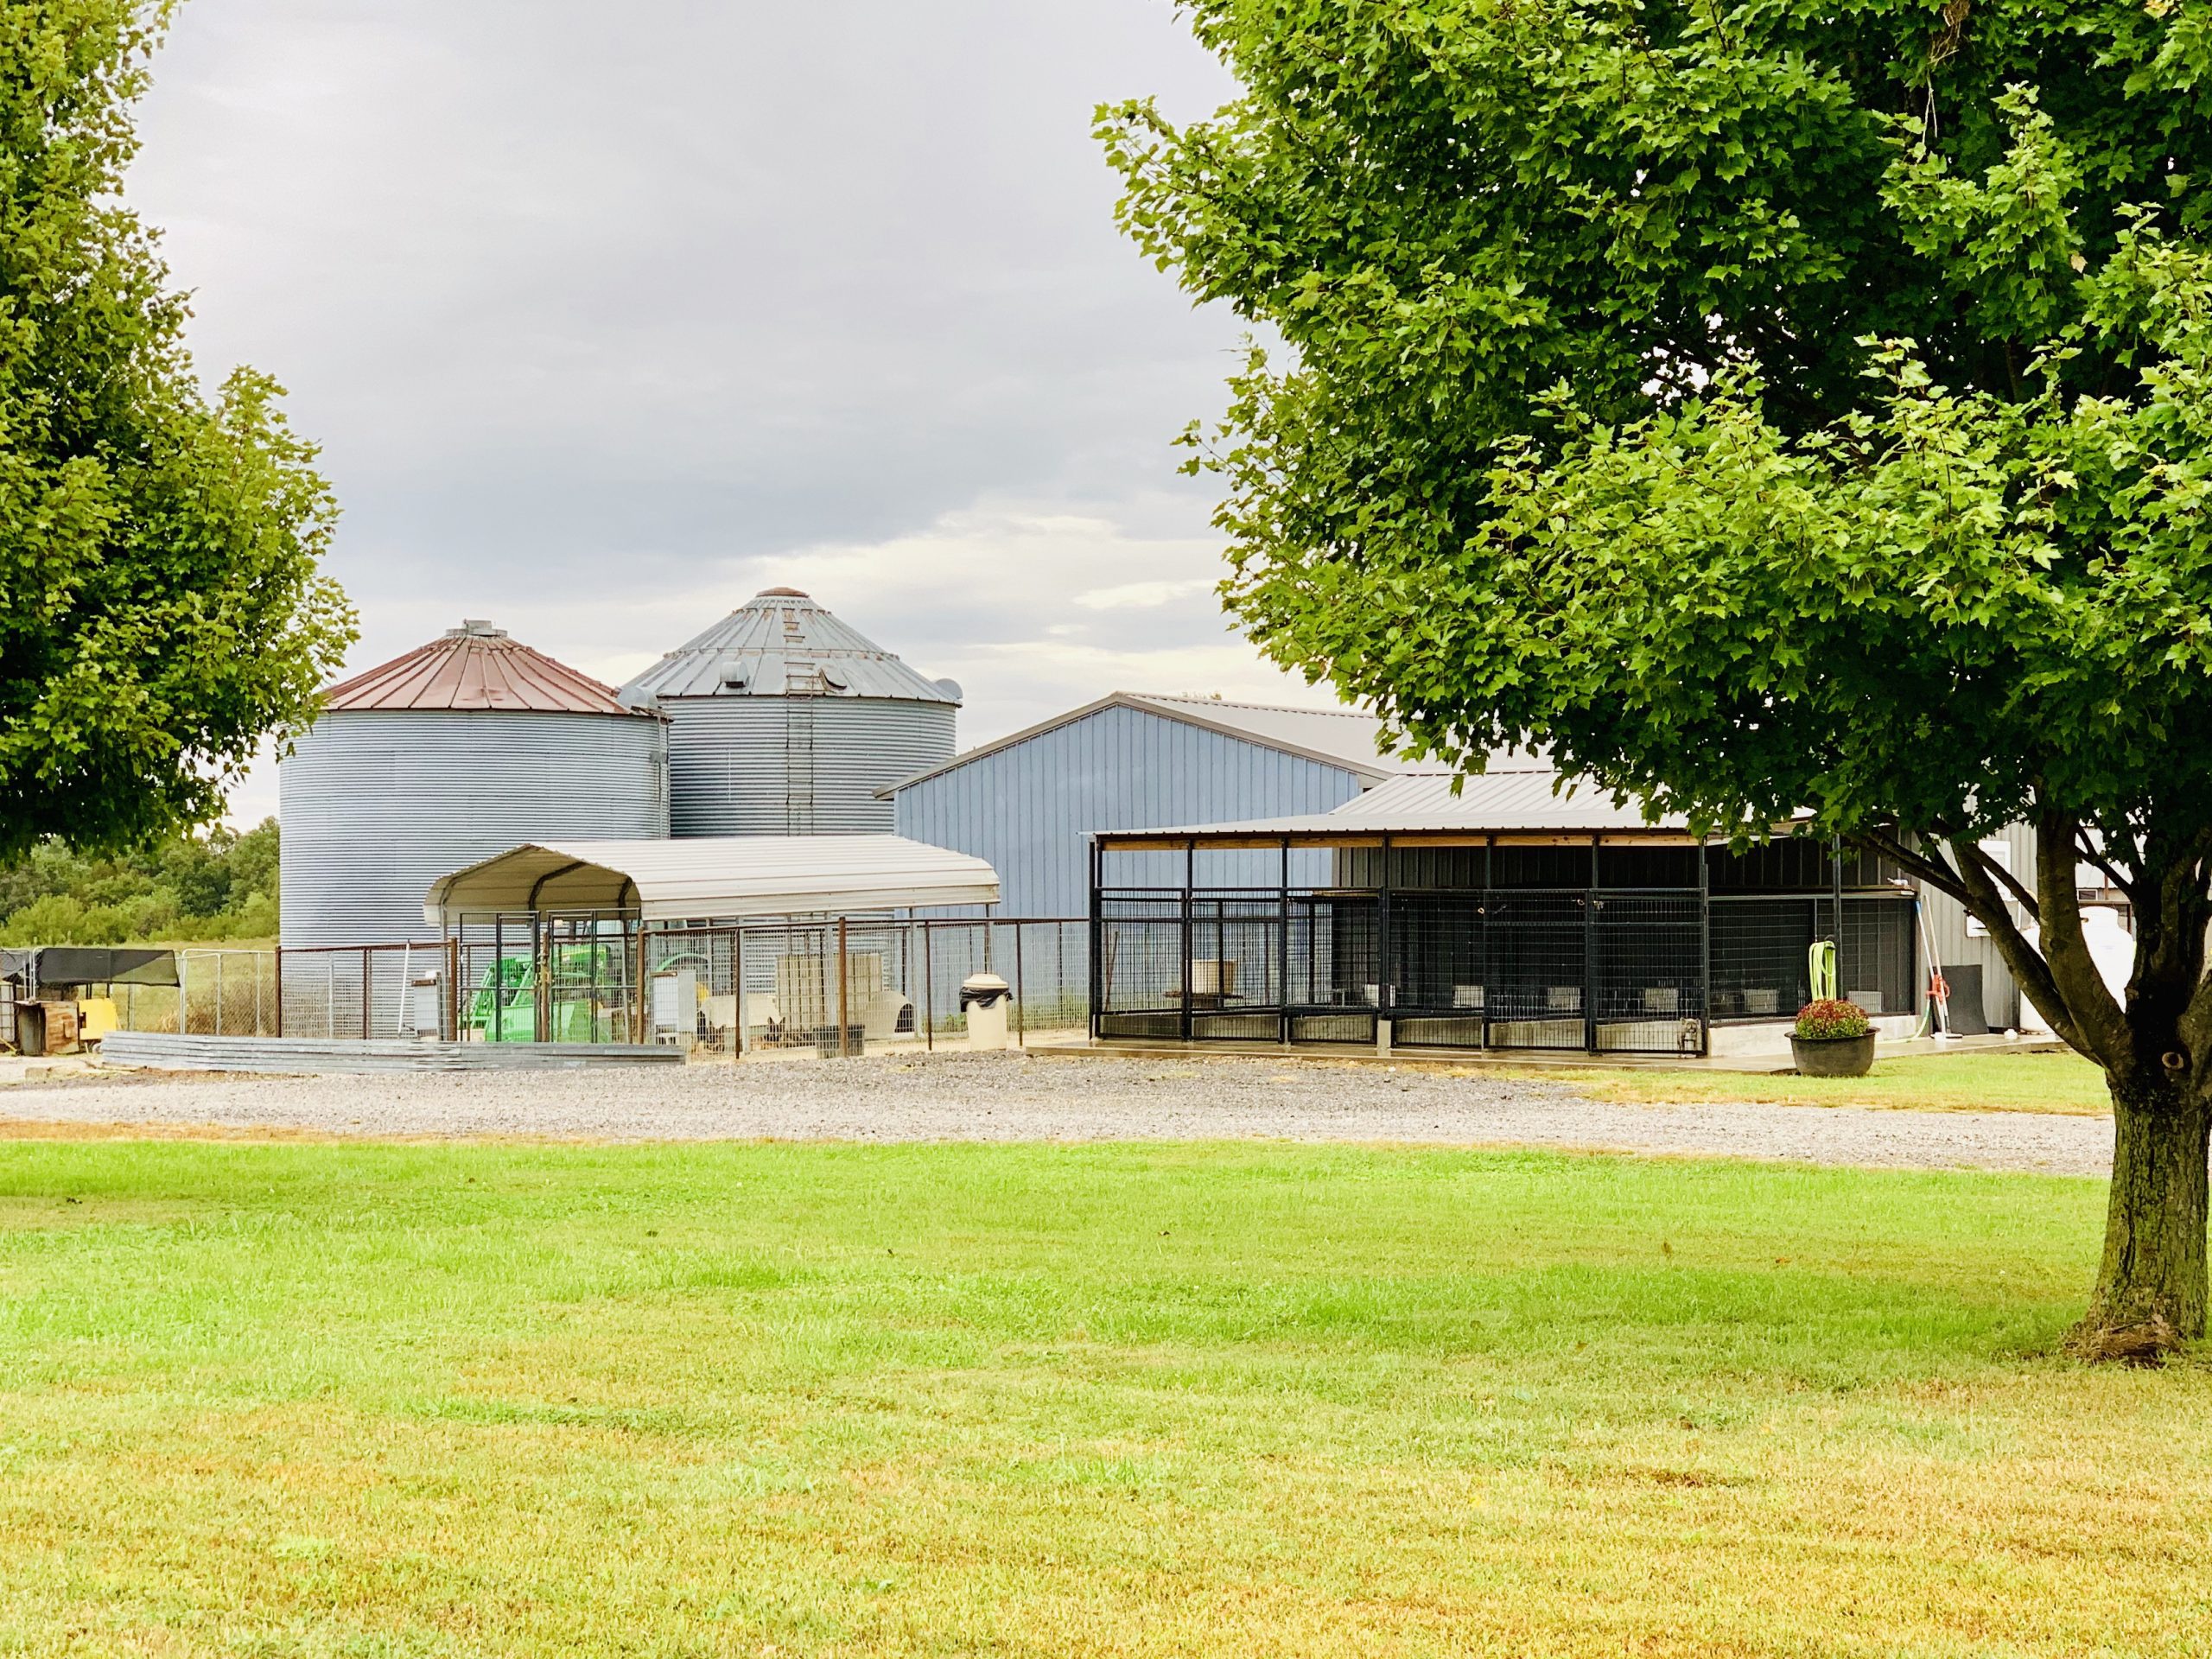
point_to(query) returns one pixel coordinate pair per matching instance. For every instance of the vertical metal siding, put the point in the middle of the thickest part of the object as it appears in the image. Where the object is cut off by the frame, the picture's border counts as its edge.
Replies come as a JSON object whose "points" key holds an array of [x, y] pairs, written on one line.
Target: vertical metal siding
{"points": [[1028, 809], [730, 760], [376, 805], [1947, 928]]}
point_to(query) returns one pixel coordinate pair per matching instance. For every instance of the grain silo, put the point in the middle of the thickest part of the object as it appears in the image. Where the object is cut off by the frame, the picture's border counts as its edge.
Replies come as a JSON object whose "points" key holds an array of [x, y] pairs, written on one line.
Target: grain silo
{"points": [[451, 754], [784, 721]]}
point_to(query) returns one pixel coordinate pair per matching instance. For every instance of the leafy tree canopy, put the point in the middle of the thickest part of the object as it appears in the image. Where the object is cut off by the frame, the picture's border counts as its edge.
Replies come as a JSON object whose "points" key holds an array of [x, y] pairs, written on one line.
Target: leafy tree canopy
{"points": [[161, 610], [1767, 406], [190, 888]]}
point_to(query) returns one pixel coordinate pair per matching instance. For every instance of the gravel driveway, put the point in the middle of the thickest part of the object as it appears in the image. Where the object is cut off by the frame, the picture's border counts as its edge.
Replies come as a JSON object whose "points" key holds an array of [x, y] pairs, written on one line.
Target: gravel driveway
{"points": [[994, 1098]]}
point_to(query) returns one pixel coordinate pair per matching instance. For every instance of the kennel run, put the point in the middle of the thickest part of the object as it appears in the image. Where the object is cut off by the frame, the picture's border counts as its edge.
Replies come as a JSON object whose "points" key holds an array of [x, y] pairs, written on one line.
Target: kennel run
{"points": [[1506, 917]]}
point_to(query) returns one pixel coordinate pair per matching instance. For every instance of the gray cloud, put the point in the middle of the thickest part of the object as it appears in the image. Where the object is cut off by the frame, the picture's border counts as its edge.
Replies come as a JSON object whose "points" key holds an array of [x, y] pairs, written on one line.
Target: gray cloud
{"points": [[607, 315]]}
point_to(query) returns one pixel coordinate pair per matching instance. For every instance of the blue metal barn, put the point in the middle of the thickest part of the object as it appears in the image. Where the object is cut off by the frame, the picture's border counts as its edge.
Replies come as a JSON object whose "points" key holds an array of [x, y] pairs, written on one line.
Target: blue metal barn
{"points": [[1029, 801]]}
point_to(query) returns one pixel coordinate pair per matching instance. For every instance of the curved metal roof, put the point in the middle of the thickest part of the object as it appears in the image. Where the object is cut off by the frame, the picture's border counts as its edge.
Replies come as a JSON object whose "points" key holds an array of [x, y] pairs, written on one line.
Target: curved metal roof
{"points": [[476, 667], [782, 644], [722, 877]]}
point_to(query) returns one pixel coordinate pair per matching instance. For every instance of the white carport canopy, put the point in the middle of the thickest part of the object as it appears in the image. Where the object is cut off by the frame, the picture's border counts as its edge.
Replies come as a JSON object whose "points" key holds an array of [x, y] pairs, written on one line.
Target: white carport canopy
{"points": [[714, 878]]}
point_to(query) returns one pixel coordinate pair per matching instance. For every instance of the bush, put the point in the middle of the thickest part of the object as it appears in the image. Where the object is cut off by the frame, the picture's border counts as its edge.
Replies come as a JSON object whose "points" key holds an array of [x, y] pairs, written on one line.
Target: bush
{"points": [[1828, 1019]]}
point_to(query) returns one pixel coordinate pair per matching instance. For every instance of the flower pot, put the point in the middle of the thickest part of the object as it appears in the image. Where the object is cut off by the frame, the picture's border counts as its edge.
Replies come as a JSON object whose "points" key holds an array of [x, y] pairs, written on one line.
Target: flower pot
{"points": [[1833, 1057]]}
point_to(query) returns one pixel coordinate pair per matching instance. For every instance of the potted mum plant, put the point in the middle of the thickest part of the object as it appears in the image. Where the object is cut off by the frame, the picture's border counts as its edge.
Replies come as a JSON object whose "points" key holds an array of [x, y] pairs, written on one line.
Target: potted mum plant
{"points": [[1833, 1039]]}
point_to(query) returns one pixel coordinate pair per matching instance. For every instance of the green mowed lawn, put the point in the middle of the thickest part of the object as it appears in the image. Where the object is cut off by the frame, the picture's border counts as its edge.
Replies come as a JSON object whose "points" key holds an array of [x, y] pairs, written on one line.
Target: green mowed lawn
{"points": [[485, 1399]]}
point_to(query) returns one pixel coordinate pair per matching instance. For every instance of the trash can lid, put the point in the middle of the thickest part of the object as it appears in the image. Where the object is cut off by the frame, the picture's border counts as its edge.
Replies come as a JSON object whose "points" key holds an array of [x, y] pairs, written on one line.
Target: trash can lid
{"points": [[984, 983]]}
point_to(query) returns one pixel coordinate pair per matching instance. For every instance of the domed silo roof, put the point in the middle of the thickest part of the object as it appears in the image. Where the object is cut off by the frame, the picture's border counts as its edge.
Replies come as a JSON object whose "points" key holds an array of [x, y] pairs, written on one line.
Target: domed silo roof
{"points": [[454, 751], [476, 666], [782, 644], [784, 721]]}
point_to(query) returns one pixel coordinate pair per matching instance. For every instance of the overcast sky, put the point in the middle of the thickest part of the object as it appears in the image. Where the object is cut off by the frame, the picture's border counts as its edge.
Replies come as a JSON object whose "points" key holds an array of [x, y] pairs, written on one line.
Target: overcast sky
{"points": [[609, 316]]}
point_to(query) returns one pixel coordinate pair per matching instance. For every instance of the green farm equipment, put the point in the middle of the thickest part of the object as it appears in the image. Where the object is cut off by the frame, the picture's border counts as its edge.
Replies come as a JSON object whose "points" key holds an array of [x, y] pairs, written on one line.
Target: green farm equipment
{"points": [[584, 1005]]}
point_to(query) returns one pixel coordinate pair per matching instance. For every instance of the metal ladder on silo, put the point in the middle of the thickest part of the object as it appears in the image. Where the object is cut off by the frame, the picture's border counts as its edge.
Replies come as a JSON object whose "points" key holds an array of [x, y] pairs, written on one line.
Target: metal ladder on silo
{"points": [[801, 685]]}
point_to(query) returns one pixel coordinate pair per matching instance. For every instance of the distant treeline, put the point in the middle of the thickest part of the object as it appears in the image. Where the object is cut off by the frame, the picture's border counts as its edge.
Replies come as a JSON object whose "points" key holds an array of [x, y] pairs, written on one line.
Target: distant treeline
{"points": [[220, 884]]}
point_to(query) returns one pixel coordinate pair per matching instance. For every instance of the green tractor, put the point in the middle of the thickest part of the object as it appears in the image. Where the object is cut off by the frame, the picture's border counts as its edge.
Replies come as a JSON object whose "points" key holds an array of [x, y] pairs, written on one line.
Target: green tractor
{"points": [[504, 1006]]}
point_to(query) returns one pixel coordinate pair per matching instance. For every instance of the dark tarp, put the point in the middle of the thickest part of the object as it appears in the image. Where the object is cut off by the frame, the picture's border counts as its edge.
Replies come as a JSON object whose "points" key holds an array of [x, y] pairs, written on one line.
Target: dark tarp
{"points": [[88, 965]]}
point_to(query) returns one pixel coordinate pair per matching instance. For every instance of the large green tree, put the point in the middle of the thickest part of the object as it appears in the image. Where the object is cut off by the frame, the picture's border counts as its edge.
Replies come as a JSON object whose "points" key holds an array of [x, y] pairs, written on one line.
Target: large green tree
{"points": [[1770, 406], [160, 609]]}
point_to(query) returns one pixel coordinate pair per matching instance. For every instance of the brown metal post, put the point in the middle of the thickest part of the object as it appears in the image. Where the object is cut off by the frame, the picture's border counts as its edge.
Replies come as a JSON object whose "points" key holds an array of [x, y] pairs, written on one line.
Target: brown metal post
{"points": [[929, 1001], [452, 985], [737, 995], [844, 991], [366, 1032], [1021, 1025], [280, 990], [541, 959], [643, 1019]]}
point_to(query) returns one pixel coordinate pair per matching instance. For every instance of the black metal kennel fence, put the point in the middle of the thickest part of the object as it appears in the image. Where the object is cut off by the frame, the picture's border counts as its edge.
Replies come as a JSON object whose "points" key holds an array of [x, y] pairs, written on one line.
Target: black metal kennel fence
{"points": [[1632, 945]]}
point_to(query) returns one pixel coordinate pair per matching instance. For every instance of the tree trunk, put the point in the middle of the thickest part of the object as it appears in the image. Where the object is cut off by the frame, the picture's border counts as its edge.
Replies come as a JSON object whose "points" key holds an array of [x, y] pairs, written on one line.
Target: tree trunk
{"points": [[2151, 1286]]}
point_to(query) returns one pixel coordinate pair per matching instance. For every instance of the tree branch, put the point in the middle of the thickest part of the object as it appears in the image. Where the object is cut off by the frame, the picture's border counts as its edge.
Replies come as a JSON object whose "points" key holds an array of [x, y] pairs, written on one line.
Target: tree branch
{"points": [[1936, 874], [2086, 852], [1987, 905], [2021, 894], [2068, 969]]}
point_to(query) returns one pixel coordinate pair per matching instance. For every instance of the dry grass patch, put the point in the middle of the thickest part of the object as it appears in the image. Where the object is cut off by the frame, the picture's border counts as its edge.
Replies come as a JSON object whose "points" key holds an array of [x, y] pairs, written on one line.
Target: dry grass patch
{"points": [[1979, 1081]]}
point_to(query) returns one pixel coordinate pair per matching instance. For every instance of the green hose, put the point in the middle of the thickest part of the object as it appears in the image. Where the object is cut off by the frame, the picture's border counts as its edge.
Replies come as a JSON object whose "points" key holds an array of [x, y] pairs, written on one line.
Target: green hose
{"points": [[1820, 962]]}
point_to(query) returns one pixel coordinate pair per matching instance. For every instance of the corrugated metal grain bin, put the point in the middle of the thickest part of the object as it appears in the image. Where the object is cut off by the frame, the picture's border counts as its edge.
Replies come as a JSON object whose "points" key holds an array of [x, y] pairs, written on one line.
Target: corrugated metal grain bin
{"points": [[455, 752], [783, 721]]}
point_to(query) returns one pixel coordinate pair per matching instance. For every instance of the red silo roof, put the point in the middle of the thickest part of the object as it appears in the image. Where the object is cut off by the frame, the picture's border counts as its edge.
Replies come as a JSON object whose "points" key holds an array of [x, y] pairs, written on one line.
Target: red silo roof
{"points": [[476, 666]]}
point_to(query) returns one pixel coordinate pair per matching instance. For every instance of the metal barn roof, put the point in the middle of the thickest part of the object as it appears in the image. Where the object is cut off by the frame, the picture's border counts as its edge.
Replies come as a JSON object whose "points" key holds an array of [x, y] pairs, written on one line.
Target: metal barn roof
{"points": [[1345, 738], [717, 877], [476, 666], [1518, 794], [779, 643]]}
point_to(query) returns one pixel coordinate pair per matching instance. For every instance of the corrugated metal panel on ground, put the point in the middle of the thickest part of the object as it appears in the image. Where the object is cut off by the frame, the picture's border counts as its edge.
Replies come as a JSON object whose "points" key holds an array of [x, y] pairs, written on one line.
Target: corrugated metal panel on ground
{"points": [[313, 1057], [376, 806], [721, 878], [1028, 807]]}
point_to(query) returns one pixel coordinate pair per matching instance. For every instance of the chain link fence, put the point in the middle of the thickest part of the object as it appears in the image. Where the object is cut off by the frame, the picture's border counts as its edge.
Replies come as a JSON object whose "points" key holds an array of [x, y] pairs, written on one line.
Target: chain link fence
{"points": [[817, 989]]}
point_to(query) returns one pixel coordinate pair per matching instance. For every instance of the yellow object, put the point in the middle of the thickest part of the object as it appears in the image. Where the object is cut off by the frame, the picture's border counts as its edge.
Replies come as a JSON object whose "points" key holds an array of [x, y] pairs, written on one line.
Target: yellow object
{"points": [[96, 1017]]}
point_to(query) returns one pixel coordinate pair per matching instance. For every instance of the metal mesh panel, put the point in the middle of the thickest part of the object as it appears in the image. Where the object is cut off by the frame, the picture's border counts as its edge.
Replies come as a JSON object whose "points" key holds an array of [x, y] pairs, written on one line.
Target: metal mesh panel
{"points": [[1759, 969], [1875, 955], [1438, 942], [1648, 983], [1237, 951], [1536, 956], [1332, 1029], [343, 993], [586, 991], [1424, 1032], [1140, 958], [1236, 1027], [1335, 958], [225, 993]]}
